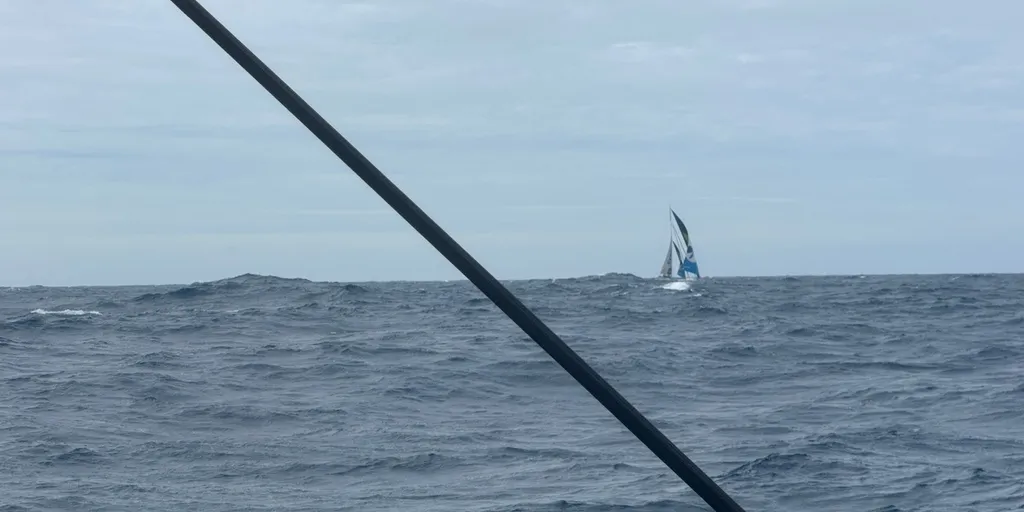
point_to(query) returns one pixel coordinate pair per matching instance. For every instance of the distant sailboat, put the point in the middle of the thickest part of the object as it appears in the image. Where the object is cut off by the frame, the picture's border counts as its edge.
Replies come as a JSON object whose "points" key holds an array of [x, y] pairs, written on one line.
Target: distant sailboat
{"points": [[687, 267]]}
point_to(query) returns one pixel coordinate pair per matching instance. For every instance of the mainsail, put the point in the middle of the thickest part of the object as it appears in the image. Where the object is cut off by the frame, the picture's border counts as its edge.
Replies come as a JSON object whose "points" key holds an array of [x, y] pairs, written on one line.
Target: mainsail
{"points": [[687, 262], [666, 266]]}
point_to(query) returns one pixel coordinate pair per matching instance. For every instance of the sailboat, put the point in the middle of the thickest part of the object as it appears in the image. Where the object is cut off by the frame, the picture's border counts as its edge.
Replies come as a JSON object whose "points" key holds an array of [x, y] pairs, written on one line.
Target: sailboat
{"points": [[687, 267]]}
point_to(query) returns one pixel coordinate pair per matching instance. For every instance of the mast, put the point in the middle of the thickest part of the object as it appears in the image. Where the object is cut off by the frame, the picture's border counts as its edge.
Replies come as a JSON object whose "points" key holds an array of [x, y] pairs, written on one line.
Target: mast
{"points": [[666, 265]]}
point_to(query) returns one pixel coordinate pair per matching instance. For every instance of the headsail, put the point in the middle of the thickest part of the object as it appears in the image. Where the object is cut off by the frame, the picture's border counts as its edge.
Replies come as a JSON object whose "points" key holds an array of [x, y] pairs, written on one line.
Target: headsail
{"points": [[689, 264], [682, 229], [688, 261]]}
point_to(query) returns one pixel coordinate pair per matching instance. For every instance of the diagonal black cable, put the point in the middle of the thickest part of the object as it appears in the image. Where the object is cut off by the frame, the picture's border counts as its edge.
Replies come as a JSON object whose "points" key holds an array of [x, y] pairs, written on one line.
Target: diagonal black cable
{"points": [[508, 303]]}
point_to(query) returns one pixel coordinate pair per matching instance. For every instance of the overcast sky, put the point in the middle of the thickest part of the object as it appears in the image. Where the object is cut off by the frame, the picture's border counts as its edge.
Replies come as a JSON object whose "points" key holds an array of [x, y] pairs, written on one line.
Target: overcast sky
{"points": [[549, 138]]}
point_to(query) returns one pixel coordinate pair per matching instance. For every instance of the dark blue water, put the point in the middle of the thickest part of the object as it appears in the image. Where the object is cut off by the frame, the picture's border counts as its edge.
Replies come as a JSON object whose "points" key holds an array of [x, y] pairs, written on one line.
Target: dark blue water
{"points": [[259, 393]]}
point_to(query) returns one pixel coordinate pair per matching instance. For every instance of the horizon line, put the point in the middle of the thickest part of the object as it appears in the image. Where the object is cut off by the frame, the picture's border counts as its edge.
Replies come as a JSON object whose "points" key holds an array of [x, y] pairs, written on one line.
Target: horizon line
{"points": [[526, 279]]}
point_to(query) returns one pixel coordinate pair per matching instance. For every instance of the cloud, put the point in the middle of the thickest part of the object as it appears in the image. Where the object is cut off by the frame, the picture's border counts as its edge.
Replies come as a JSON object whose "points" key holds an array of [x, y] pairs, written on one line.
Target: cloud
{"points": [[648, 52], [743, 199], [337, 212]]}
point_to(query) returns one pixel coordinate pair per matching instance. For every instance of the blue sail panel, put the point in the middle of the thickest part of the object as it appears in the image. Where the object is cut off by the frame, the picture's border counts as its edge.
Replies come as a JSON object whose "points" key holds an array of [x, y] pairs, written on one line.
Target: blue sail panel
{"points": [[688, 265]]}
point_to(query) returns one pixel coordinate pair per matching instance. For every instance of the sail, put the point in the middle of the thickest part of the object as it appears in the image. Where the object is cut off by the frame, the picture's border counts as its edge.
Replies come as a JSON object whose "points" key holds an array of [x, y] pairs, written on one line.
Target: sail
{"points": [[682, 230], [688, 263], [681, 271], [666, 267]]}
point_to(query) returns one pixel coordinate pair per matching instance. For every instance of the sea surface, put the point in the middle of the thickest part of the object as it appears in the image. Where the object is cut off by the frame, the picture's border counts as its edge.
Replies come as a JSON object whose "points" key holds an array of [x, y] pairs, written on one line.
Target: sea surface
{"points": [[862, 393]]}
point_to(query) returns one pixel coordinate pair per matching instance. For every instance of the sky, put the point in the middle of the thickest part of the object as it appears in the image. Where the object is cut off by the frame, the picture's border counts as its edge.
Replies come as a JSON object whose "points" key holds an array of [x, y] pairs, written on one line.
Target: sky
{"points": [[794, 137]]}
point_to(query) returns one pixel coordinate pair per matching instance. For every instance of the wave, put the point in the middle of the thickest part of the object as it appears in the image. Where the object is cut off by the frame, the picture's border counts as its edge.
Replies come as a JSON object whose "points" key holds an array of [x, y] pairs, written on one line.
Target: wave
{"points": [[65, 312]]}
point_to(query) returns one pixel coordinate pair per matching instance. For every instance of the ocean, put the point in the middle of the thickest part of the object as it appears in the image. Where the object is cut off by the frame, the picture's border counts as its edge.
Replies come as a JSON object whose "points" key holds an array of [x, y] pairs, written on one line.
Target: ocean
{"points": [[861, 393]]}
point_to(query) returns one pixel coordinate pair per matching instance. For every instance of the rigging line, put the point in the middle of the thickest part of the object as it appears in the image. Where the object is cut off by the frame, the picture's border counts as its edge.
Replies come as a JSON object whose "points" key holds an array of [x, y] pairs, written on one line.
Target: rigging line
{"points": [[501, 296]]}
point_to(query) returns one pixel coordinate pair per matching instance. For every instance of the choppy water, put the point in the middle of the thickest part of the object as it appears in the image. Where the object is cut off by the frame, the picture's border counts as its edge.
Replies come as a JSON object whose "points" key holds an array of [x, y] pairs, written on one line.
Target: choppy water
{"points": [[259, 393]]}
